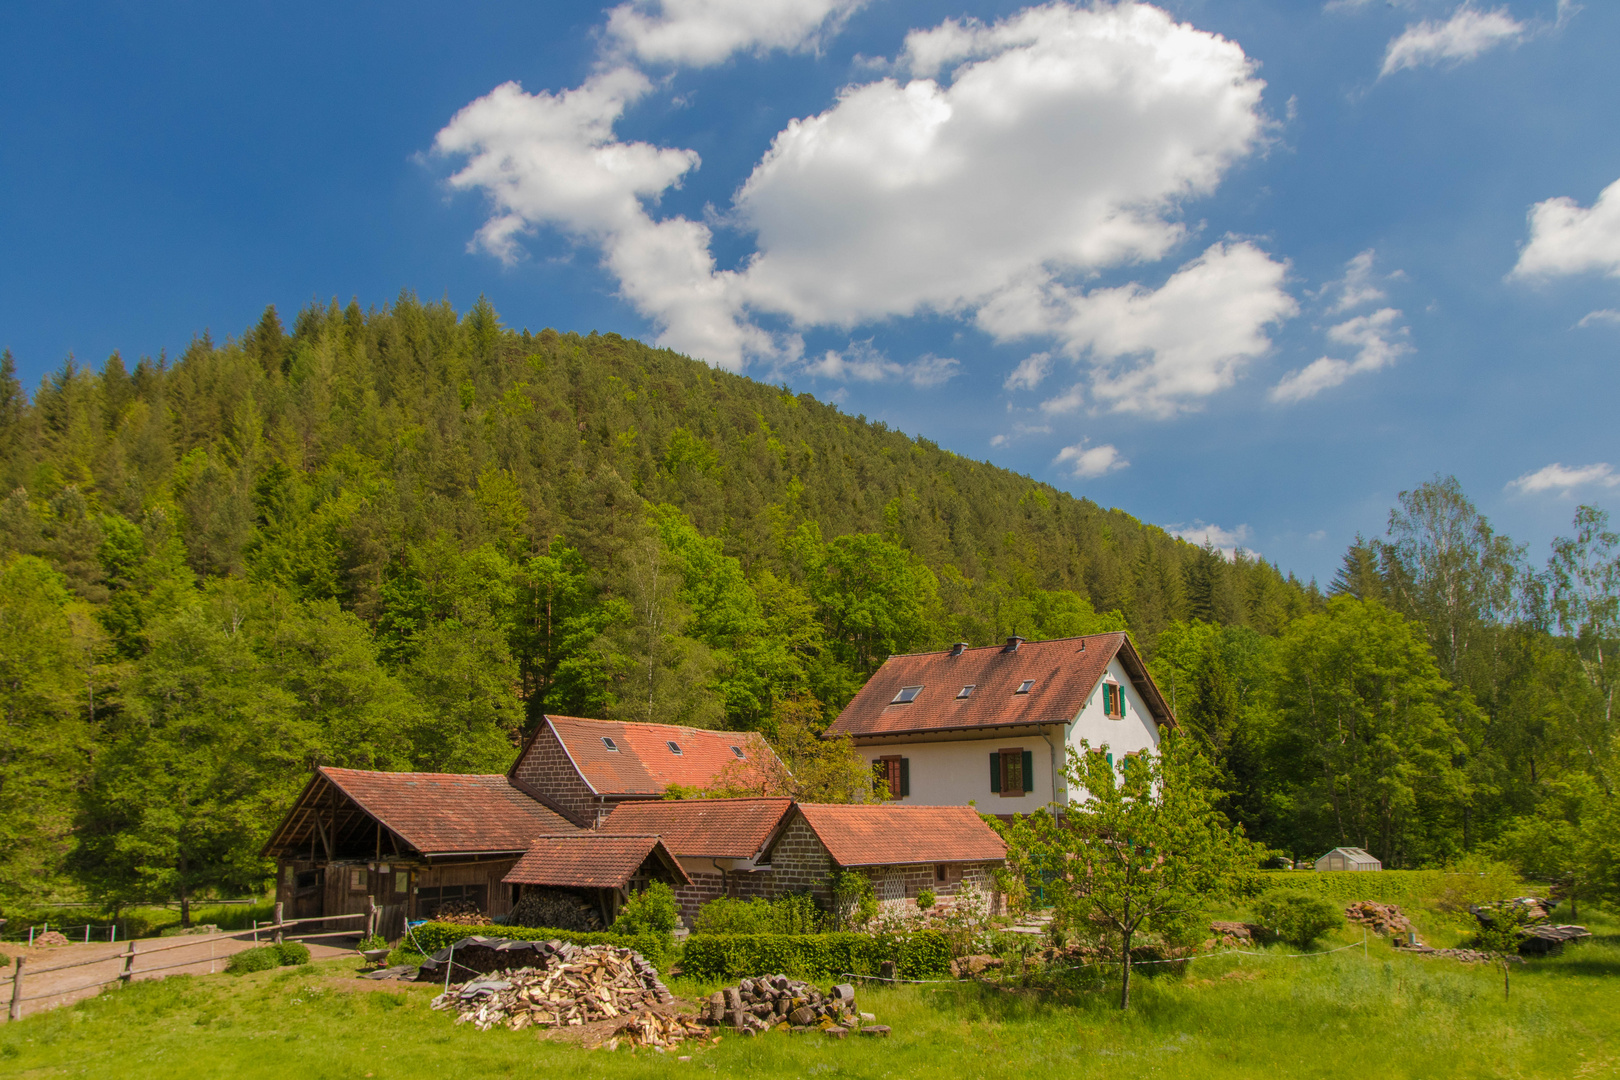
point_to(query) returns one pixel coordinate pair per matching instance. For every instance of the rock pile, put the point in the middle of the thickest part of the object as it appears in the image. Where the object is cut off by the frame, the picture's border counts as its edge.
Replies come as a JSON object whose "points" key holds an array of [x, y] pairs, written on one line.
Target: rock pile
{"points": [[969, 966], [1467, 956], [1233, 935], [1386, 919], [561, 985], [50, 937], [776, 1001], [556, 908]]}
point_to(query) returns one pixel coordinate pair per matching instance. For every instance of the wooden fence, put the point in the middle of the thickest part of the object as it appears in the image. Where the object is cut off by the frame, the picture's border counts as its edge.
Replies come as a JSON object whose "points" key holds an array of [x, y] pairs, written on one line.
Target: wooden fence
{"points": [[278, 930]]}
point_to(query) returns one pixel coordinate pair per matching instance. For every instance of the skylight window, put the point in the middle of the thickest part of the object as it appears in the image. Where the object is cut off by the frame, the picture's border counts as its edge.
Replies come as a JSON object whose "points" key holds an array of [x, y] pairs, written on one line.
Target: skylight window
{"points": [[906, 695], [1025, 686], [610, 744], [738, 751], [966, 692], [674, 747]]}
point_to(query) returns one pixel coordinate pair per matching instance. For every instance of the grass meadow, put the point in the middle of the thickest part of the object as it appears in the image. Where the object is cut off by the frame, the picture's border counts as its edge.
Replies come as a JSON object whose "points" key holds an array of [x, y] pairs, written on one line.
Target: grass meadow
{"points": [[1379, 1015]]}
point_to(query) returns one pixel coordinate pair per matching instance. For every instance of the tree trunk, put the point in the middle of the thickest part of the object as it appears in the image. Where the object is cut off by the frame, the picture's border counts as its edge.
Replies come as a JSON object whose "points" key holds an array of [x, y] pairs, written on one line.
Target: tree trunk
{"points": [[1125, 973], [185, 897]]}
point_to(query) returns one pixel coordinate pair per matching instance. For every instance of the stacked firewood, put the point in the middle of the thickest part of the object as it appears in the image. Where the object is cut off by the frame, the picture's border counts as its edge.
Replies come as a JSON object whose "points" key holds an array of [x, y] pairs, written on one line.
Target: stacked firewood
{"points": [[659, 1031], [556, 908], [567, 986], [776, 1001], [1386, 919]]}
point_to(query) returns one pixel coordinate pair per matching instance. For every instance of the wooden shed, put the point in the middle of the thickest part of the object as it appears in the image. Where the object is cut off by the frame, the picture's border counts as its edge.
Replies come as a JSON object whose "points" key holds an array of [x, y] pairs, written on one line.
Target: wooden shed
{"points": [[604, 869]]}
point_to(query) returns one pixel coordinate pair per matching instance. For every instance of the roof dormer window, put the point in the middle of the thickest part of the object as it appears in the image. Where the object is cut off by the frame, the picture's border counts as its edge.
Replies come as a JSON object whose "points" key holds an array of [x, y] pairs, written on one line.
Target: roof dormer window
{"points": [[610, 744], [674, 747], [966, 692], [738, 751], [1025, 687], [907, 695]]}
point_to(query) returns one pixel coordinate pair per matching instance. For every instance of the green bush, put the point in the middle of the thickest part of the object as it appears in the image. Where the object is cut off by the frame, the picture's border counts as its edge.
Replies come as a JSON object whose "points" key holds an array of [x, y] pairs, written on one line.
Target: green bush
{"points": [[292, 953], [794, 914], [262, 958], [1296, 917], [431, 937], [925, 898], [925, 954], [650, 911]]}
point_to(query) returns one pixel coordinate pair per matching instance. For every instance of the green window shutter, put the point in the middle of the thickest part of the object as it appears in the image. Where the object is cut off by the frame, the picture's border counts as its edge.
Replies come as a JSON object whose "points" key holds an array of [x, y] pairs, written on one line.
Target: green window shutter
{"points": [[995, 772], [1108, 699], [905, 777], [1029, 770], [1110, 761]]}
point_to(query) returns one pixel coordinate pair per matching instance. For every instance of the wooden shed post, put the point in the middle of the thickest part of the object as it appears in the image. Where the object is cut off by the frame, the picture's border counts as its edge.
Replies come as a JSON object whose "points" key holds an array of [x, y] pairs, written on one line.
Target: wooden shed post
{"points": [[16, 990], [371, 916], [278, 922]]}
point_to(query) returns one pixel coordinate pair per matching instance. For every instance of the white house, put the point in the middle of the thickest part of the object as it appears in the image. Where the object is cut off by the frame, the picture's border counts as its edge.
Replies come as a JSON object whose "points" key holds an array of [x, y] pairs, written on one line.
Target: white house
{"points": [[992, 725]]}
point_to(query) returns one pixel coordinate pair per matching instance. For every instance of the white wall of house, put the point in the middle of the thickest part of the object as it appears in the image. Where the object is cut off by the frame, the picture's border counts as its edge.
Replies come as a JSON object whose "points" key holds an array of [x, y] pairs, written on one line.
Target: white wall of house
{"points": [[955, 772], [1134, 733]]}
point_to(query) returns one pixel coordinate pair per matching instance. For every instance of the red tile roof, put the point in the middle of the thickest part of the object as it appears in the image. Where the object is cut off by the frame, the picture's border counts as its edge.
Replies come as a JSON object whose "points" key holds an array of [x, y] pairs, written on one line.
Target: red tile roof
{"points": [[643, 764], [1064, 672], [703, 828], [443, 813], [590, 861], [878, 834]]}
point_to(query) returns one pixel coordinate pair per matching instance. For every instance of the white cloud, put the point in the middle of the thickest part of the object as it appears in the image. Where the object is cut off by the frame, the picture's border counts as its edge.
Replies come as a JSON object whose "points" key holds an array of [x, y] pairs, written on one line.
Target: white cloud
{"points": [[863, 363], [1567, 238], [1464, 36], [1156, 351], [1063, 141], [703, 32], [1378, 341], [1226, 541], [1357, 287], [1603, 315], [1563, 478], [1086, 462], [1030, 372]]}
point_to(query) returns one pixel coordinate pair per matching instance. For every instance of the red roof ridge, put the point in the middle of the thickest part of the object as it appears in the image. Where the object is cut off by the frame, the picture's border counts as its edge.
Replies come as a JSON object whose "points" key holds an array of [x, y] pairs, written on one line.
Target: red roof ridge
{"points": [[1021, 643]]}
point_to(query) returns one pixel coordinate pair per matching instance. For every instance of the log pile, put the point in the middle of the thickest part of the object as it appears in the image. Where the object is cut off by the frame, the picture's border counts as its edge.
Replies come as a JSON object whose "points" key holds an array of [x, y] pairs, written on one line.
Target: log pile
{"points": [[656, 1030], [1386, 919], [564, 985], [556, 908], [776, 1001]]}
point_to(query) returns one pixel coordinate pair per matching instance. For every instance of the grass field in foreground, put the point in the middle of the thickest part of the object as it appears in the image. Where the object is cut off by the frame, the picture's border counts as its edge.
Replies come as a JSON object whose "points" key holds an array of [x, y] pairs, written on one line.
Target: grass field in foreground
{"points": [[1385, 1016]]}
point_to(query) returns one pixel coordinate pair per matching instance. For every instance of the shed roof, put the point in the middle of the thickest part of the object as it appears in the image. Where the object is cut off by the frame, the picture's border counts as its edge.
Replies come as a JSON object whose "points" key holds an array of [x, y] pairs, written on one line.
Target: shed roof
{"points": [[583, 860], [878, 834], [433, 813], [703, 828], [1064, 672], [642, 762]]}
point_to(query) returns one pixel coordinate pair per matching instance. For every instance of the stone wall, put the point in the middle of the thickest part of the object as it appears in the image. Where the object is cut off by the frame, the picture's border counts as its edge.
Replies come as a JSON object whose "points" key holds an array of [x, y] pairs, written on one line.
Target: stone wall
{"points": [[546, 768]]}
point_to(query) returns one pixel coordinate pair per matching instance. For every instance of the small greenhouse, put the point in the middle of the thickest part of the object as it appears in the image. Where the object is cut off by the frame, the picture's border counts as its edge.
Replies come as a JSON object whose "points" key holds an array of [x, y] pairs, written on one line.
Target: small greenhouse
{"points": [[1348, 858]]}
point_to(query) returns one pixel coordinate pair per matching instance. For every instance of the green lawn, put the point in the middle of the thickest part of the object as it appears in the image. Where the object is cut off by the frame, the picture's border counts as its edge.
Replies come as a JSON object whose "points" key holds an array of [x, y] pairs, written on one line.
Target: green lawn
{"points": [[1380, 1016]]}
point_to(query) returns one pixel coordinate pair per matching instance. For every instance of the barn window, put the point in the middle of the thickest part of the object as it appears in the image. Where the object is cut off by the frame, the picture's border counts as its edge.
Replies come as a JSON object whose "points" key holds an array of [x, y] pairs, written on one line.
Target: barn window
{"points": [[357, 880], [674, 747], [906, 695], [610, 744]]}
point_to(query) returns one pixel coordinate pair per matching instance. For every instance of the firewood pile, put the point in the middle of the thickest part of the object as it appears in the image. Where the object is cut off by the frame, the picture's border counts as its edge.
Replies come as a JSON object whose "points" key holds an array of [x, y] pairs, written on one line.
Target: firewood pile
{"points": [[656, 1030], [562, 985], [460, 913], [776, 1001], [555, 908], [1386, 919]]}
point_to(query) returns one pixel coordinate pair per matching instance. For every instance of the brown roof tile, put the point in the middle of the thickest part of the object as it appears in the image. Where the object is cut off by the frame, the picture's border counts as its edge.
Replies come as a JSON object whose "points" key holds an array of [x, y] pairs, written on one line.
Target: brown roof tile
{"points": [[643, 764], [1064, 672], [444, 813], [590, 861], [703, 828], [888, 835]]}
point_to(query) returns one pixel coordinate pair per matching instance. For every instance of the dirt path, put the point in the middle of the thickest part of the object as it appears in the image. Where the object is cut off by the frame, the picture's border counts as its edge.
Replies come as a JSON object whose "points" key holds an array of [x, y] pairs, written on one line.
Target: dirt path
{"points": [[49, 983]]}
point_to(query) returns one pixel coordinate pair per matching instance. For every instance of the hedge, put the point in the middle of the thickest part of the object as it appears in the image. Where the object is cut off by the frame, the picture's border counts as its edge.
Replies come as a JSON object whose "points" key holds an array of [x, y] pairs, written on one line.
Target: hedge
{"points": [[925, 954], [433, 936]]}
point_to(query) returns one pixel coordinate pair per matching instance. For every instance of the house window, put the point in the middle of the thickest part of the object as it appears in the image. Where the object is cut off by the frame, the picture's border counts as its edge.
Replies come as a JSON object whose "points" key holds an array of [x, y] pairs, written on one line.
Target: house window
{"points": [[610, 744], [896, 773], [402, 881], [939, 872], [357, 880], [674, 747], [1114, 700], [906, 695], [738, 751], [1012, 772], [1025, 686], [966, 692]]}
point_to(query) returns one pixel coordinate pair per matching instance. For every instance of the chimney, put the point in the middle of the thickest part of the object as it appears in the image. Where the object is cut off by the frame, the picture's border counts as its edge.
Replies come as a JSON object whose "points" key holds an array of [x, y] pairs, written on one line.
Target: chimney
{"points": [[1013, 643], [956, 650]]}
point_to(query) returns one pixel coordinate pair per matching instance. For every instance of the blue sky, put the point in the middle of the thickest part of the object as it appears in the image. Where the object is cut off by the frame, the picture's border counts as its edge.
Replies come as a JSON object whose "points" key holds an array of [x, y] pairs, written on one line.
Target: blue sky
{"points": [[1255, 266]]}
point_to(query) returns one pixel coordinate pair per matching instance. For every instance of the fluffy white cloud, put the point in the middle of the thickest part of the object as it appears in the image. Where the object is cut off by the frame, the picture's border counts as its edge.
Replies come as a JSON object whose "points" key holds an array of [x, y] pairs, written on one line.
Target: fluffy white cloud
{"points": [[1156, 351], [1468, 33], [863, 363], [1602, 315], [1378, 341], [1357, 287], [1061, 142], [1086, 462], [1030, 372], [1558, 477], [1226, 541], [1567, 238], [702, 32]]}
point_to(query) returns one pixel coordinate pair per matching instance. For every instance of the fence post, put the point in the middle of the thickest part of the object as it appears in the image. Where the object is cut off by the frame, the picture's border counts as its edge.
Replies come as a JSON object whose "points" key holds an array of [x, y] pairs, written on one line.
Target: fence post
{"points": [[129, 961], [16, 991], [278, 922], [87, 933], [371, 916]]}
